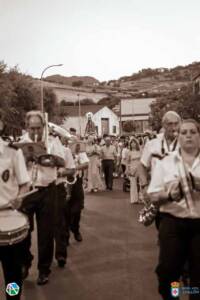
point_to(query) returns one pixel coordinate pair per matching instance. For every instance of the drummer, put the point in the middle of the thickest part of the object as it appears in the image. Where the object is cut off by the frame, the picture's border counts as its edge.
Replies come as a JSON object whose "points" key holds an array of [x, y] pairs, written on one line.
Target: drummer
{"points": [[42, 203], [14, 180]]}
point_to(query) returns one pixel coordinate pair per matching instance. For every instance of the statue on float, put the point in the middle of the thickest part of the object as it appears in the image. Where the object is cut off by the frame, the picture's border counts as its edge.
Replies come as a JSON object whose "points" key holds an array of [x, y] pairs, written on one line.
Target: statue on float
{"points": [[90, 126]]}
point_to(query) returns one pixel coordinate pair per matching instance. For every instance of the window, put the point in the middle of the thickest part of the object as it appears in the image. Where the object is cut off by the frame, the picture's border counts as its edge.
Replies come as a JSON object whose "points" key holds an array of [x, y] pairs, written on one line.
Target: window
{"points": [[114, 129]]}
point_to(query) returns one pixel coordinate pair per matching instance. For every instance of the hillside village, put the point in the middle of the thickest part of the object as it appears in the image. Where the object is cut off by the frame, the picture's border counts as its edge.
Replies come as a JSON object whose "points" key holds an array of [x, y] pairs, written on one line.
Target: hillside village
{"points": [[129, 97], [135, 102], [145, 83]]}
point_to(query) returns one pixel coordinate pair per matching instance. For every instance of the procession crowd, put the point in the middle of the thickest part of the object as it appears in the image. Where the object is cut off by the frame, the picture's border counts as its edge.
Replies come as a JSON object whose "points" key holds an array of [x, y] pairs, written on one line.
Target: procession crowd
{"points": [[45, 176]]}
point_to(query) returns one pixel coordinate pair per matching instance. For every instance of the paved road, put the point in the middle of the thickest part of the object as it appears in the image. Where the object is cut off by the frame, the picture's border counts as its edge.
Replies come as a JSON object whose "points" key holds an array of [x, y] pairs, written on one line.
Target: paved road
{"points": [[115, 261]]}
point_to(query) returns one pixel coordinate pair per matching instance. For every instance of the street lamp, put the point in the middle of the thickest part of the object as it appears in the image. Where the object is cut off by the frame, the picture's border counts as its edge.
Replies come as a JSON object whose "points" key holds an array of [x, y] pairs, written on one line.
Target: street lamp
{"points": [[79, 113], [42, 87]]}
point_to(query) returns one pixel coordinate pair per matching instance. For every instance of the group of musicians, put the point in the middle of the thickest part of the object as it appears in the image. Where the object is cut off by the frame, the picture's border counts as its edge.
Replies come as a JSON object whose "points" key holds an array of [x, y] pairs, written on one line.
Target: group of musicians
{"points": [[56, 200]]}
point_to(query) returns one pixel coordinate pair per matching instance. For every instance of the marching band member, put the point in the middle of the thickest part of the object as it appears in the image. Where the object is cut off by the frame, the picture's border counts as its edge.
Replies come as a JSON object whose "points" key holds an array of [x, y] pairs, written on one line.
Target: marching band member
{"points": [[65, 176], [76, 202], [14, 180], [175, 188], [42, 203], [159, 147]]}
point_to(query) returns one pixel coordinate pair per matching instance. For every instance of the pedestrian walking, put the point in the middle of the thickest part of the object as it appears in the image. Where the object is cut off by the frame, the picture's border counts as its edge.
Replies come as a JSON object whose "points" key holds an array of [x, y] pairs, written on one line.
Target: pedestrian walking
{"points": [[133, 158], [109, 156]]}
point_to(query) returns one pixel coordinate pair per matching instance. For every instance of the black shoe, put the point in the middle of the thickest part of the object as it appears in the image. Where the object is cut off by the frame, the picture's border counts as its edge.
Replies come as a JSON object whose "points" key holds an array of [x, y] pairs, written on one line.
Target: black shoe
{"points": [[42, 279], [25, 272], [78, 237], [61, 262]]}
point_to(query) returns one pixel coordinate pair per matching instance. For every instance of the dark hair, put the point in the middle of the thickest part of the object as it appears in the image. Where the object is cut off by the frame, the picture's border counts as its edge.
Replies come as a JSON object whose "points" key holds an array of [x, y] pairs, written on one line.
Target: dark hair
{"points": [[72, 129], [193, 121], [126, 144], [136, 144]]}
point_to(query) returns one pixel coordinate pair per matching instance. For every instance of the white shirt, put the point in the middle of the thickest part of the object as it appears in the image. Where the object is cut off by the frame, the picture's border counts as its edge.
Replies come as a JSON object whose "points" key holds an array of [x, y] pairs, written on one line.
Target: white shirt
{"points": [[125, 152], [80, 159], [154, 147], [13, 172], [109, 152], [46, 175], [165, 173], [69, 162]]}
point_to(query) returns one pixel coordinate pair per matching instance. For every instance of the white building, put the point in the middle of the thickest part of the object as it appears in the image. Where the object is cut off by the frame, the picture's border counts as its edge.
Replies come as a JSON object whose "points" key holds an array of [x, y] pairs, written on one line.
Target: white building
{"points": [[105, 120], [137, 110]]}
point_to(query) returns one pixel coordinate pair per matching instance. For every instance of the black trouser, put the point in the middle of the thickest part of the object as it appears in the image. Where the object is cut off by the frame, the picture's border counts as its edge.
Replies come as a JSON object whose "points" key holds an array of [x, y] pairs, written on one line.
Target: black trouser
{"points": [[123, 168], [11, 259], [75, 219], [74, 207], [42, 203], [61, 236], [108, 168], [179, 242]]}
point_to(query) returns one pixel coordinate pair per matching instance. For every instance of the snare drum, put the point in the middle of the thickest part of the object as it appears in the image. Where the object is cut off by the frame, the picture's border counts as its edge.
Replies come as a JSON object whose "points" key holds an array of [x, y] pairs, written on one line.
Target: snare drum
{"points": [[14, 227]]}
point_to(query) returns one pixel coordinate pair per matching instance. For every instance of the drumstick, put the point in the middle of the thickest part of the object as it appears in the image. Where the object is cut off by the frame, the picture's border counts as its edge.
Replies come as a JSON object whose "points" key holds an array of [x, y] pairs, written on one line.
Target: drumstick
{"points": [[21, 196], [9, 204]]}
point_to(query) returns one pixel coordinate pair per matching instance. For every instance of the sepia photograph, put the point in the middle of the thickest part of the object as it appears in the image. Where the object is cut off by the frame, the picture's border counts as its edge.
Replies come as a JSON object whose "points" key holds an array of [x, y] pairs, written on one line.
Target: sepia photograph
{"points": [[99, 150]]}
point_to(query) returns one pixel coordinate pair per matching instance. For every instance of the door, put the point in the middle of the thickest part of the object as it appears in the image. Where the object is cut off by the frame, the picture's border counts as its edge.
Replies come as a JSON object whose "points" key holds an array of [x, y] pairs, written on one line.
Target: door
{"points": [[104, 126]]}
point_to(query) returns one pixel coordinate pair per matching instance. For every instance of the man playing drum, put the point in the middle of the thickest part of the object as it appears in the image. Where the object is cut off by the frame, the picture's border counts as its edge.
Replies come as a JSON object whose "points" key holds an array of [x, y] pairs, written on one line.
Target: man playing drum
{"points": [[14, 180]]}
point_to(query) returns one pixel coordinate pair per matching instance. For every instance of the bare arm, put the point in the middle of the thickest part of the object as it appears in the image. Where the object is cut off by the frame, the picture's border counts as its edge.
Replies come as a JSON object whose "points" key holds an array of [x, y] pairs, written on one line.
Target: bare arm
{"points": [[142, 172]]}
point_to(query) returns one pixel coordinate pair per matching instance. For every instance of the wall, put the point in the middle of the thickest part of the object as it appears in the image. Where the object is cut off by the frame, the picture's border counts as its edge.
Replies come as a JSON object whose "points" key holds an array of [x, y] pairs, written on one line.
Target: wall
{"points": [[72, 96], [105, 112], [74, 122]]}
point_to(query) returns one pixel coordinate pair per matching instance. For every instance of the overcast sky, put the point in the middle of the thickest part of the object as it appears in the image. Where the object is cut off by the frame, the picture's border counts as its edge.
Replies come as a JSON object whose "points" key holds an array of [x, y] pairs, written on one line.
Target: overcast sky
{"points": [[106, 39]]}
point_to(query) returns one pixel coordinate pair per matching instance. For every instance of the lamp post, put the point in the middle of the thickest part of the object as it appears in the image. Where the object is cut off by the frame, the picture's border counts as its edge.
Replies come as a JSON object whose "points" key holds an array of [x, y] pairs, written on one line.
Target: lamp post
{"points": [[42, 86], [79, 113]]}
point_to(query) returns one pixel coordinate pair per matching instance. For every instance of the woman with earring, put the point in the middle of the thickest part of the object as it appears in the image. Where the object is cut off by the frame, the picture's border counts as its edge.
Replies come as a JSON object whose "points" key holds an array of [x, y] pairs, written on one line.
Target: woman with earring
{"points": [[175, 188], [133, 158]]}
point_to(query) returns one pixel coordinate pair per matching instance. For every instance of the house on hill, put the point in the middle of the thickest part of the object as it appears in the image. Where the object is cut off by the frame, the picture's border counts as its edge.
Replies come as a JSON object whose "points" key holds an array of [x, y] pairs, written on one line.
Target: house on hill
{"points": [[138, 111], [105, 120]]}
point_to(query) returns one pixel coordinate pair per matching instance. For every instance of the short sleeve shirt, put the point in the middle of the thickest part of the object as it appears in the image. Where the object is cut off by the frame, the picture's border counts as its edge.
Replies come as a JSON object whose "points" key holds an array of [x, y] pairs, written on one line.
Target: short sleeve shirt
{"points": [[154, 147], [165, 173], [109, 152], [13, 173], [46, 175]]}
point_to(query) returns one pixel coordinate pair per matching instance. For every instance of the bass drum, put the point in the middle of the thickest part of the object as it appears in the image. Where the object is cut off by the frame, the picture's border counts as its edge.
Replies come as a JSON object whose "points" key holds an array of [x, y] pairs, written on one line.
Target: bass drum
{"points": [[14, 227]]}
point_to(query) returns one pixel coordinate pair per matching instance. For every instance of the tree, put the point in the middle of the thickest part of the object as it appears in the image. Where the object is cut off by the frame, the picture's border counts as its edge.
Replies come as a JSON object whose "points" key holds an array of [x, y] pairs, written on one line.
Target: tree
{"points": [[50, 103], [77, 83], [128, 126], [109, 101], [66, 103], [18, 95], [183, 101], [87, 101]]}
